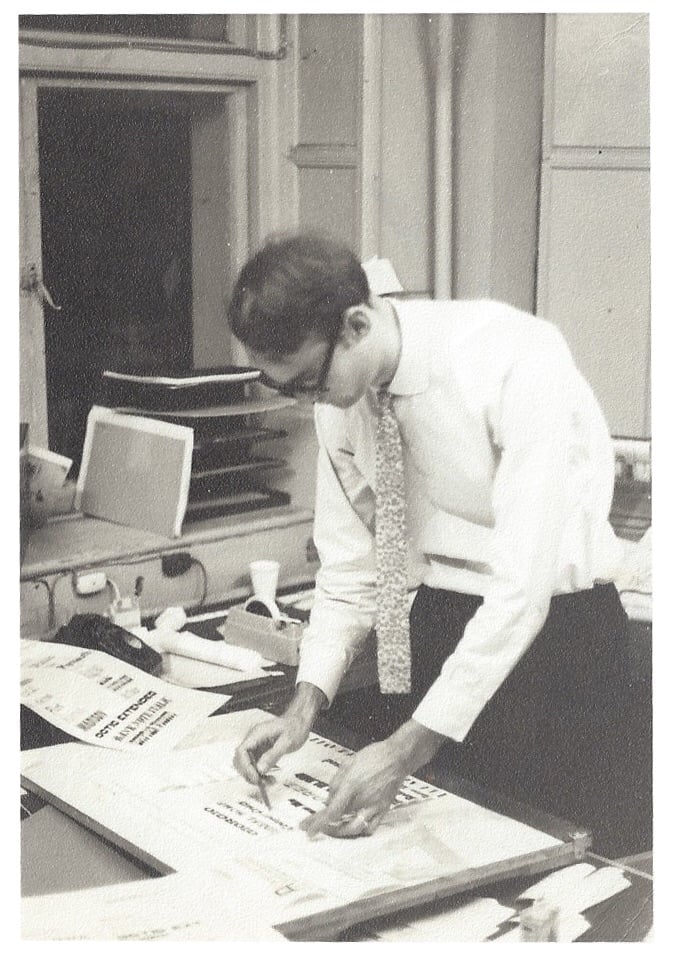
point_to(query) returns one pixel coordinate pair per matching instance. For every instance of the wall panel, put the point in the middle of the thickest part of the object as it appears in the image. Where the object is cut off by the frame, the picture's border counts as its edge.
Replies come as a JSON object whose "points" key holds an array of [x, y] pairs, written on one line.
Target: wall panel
{"points": [[594, 259], [328, 202], [406, 226], [598, 284], [327, 154], [601, 80], [329, 85]]}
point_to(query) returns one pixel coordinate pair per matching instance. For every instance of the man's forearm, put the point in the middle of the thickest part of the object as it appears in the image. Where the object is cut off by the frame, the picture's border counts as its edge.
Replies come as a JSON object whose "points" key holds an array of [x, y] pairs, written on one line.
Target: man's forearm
{"points": [[414, 744], [306, 703]]}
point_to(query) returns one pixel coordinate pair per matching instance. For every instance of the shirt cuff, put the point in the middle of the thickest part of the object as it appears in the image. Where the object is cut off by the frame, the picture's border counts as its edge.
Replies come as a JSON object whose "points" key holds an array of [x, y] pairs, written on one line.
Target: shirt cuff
{"points": [[330, 643], [324, 669], [433, 712]]}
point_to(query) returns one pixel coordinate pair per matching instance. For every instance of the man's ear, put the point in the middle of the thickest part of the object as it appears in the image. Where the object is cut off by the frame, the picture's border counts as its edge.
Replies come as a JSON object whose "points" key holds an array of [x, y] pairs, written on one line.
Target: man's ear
{"points": [[356, 324]]}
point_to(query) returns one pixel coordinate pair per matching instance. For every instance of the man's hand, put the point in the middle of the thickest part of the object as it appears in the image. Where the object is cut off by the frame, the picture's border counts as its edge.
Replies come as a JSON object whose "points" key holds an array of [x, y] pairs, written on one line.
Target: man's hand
{"points": [[268, 741], [364, 788]]}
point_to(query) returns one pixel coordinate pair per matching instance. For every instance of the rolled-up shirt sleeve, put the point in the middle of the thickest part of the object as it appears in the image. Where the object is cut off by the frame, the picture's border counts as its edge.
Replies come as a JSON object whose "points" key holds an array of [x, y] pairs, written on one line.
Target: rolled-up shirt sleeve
{"points": [[533, 428], [344, 606]]}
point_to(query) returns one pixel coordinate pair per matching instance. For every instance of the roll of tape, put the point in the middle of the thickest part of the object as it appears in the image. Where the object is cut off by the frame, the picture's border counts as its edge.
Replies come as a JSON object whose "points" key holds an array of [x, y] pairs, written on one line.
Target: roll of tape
{"points": [[264, 607]]}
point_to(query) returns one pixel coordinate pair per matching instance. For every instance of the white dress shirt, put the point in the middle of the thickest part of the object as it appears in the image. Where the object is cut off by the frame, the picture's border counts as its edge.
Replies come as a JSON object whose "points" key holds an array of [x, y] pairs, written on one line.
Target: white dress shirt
{"points": [[509, 473]]}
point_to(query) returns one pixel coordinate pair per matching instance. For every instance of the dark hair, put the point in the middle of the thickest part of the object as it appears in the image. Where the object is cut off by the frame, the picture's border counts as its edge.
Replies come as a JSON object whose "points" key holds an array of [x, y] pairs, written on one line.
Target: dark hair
{"points": [[295, 286]]}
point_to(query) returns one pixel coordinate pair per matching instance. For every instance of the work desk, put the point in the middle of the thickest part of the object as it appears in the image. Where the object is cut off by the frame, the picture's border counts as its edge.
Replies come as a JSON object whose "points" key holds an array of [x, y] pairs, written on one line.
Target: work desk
{"points": [[58, 854]]}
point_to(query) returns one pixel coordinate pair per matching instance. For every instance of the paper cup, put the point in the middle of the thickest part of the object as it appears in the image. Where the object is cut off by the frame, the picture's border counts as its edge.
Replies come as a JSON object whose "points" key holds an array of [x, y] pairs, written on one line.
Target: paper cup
{"points": [[264, 576]]}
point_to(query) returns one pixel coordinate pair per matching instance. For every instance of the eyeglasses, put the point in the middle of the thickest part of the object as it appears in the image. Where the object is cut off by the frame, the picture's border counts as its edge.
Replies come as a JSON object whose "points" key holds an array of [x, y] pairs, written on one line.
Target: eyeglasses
{"points": [[300, 388]]}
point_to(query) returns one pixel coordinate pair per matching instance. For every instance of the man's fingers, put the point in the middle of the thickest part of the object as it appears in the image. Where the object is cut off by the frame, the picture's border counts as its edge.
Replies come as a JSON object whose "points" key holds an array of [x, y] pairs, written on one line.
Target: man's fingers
{"points": [[249, 751], [376, 820], [336, 808], [265, 744], [270, 758], [321, 823], [245, 765], [361, 824]]}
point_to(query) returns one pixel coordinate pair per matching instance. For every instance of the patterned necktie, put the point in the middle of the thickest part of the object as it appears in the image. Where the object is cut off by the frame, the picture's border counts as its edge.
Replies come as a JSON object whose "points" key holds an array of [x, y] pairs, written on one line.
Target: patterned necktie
{"points": [[393, 634]]}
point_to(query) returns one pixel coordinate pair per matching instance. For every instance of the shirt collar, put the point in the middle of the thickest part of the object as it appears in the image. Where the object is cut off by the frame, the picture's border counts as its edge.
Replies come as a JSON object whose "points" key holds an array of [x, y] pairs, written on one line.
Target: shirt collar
{"points": [[412, 374]]}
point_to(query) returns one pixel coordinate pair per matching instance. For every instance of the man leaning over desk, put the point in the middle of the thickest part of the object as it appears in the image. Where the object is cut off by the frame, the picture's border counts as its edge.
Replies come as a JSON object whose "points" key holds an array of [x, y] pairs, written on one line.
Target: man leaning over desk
{"points": [[517, 632]]}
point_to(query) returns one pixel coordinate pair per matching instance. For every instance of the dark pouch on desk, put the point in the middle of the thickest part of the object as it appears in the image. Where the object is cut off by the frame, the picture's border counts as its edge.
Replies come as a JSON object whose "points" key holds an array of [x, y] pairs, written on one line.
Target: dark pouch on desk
{"points": [[91, 631]]}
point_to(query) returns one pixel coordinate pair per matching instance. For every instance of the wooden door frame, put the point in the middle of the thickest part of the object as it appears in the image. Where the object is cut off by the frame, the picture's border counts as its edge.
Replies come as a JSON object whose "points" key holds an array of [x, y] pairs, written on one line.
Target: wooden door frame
{"points": [[250, 88]]}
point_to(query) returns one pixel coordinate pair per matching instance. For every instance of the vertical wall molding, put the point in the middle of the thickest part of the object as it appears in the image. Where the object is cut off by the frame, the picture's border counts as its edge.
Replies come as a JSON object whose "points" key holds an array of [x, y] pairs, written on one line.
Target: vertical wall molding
{"points": [[239, 195], [33, 395], [268, 134], [288, 126], [371, 136], [442, 155], [546, 156]]}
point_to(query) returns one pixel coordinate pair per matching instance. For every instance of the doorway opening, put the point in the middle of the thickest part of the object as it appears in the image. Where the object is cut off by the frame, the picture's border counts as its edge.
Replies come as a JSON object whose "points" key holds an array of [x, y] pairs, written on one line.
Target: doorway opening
{"points": [[120, 236]]}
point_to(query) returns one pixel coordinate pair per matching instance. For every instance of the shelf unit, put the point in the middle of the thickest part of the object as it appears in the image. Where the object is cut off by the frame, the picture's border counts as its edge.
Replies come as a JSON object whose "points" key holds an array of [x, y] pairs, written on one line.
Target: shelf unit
{"points": [[228, 474]]}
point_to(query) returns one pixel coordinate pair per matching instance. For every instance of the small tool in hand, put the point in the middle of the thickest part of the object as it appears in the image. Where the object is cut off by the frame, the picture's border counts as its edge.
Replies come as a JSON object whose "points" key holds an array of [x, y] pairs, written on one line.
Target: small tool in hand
{"points": [[262, 788]]}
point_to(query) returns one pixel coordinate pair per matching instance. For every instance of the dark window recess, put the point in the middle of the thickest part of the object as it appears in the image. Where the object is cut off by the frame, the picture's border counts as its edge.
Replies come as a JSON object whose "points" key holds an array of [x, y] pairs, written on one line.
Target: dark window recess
{"points": [[116, 244]]}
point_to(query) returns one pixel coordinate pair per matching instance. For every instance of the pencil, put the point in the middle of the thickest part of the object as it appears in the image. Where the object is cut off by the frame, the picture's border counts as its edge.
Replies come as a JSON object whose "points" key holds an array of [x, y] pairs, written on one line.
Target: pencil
{"points": [[263, 792]]}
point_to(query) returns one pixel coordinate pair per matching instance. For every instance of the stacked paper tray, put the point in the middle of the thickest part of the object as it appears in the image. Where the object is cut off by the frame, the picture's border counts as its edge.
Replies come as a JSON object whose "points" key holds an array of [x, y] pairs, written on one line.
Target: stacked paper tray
{"points": [[230, 449], [229, 473], [205, 388]]}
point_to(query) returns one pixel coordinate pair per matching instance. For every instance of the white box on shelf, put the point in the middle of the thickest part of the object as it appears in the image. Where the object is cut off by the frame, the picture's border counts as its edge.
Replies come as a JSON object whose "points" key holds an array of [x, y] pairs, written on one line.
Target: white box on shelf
{"points": [[135, 471]]}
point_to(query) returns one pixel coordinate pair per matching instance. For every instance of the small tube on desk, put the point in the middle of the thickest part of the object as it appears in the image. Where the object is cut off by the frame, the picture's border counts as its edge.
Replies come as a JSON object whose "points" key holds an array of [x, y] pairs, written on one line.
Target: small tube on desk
{"points": [[204, 650]]}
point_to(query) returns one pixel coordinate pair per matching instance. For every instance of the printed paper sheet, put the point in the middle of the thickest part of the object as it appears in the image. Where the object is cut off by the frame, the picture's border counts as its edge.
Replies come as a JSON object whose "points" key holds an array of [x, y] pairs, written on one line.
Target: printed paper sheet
{"points": [[104, 701], [175, 907]]}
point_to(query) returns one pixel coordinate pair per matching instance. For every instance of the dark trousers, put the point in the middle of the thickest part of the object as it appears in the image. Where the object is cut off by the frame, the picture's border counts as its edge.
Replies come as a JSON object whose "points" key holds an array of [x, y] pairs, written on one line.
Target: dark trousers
{"points": [[554, 735]]}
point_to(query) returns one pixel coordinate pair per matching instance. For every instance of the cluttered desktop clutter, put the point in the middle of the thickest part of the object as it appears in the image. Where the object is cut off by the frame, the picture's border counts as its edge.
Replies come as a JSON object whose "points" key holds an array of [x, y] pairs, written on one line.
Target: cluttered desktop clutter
{"points": [[130, 731]]}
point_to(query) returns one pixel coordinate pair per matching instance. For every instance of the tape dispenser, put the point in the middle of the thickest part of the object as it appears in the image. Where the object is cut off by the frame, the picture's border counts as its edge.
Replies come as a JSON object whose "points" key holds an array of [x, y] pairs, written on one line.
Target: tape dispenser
{"points": [[259, 624]]}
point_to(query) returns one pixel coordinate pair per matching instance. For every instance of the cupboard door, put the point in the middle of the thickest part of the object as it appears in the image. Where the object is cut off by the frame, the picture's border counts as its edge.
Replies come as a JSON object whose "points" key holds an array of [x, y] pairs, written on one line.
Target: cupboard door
{"points": [[594, 257], [598, 294], [601, 80]]}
